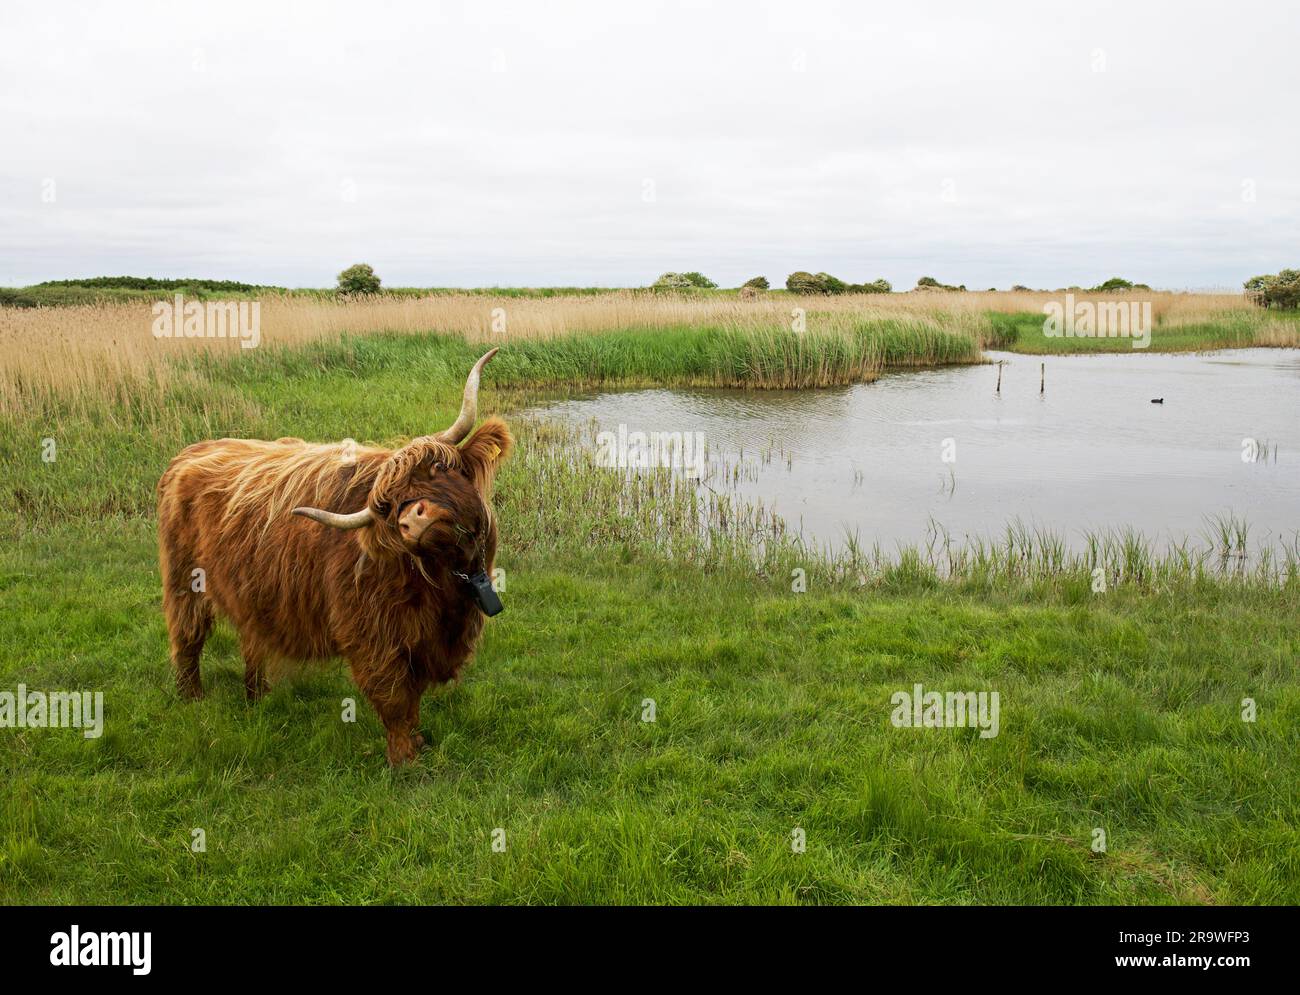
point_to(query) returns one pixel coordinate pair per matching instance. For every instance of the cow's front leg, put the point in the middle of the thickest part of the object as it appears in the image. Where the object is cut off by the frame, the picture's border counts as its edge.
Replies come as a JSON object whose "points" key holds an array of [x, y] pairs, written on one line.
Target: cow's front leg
{"points": [[395, 713], [396, 702]]}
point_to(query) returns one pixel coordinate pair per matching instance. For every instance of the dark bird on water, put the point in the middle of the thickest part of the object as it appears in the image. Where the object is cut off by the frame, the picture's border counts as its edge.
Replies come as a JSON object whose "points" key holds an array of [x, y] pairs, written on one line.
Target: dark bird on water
{"points": [[1157, 400]]}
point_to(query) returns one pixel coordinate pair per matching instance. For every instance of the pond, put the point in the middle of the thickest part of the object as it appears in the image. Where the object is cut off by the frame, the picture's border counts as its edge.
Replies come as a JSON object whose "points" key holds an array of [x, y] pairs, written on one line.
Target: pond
{"points": [[1091, 453]]}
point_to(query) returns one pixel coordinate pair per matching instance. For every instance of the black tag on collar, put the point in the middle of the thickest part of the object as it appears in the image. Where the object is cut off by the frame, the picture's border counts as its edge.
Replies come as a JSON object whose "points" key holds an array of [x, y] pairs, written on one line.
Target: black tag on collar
{"points": [[484, 594]]}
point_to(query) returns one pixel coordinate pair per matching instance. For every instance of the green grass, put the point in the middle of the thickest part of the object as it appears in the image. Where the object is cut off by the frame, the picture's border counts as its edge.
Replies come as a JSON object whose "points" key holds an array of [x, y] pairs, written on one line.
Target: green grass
{"points": [[1024, 333], [1120, 711]]}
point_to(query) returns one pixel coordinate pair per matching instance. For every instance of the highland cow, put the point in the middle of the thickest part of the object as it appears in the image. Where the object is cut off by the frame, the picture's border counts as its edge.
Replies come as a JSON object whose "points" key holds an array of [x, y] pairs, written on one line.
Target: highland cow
{"points": [[396, 580]]}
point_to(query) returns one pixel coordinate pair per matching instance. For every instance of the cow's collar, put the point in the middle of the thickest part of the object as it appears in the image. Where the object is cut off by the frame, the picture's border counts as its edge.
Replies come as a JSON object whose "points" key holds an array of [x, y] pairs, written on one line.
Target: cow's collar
{"points": [[479, 584], [484, 594]]}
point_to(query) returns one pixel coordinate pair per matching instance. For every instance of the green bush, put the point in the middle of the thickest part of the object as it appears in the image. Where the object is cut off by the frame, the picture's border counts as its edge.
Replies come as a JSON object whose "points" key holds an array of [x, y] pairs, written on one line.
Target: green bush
{"points": [[150, 283], [930, 283], [358, 279], [16, 298], [699, 280], [62, 295], [1116, 283], [803, 282], [1280, 290], [832, 285], [672, 281], [683, 281], [757, 282], [874, 287]]}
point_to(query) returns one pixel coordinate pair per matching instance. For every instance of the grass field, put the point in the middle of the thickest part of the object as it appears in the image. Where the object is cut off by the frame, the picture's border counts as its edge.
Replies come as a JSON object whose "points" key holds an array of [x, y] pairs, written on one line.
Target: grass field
{"points": [[1120, 711], [1119, 714]]}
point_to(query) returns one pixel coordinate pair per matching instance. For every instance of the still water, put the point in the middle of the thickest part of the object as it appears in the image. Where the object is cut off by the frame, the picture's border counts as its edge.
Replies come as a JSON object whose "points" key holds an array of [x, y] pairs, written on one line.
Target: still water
{"points": [[1091, 453]]}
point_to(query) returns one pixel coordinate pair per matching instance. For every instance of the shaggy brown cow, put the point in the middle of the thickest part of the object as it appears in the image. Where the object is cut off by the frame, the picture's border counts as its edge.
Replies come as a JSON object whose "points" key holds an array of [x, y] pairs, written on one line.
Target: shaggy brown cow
{"points": [[397, 582]]}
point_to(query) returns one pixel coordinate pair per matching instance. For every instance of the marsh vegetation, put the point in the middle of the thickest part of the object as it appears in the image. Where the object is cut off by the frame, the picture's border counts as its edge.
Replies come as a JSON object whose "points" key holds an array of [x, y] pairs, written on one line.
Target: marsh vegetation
{"points": [[1122, 710]]}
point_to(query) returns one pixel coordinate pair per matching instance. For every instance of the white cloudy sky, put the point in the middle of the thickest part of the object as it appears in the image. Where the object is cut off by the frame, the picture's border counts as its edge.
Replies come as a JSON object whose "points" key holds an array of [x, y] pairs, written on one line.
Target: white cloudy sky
{"points": [[477, 143]]}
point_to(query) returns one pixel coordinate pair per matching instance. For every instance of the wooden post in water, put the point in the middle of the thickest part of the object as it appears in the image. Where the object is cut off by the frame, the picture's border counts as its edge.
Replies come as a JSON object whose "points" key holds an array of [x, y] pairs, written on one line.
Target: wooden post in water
{"points": [[999, 390], [1042, 378]]}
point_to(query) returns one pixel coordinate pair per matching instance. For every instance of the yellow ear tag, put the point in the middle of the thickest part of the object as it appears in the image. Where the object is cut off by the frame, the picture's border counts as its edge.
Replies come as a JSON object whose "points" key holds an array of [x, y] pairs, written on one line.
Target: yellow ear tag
{"points": [[496, 451]]}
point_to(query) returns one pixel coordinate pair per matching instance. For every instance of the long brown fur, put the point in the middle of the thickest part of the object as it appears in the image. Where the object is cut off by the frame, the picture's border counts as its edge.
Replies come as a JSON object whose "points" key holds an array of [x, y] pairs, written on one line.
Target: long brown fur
{"points": [[297, 590]]}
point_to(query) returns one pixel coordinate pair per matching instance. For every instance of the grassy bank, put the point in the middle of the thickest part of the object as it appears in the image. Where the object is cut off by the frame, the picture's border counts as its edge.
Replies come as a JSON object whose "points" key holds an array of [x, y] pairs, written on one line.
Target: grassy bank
{"points": [[1229, 329], [1120, 711], [1119, 714]]}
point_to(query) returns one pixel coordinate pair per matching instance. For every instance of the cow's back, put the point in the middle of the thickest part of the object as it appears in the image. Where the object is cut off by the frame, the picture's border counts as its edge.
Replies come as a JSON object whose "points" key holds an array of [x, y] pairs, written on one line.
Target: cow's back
{"points": [[224, 508]]}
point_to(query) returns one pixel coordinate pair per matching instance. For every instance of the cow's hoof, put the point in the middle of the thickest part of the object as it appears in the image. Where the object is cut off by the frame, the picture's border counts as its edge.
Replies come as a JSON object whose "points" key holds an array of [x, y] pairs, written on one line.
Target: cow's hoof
{"points": [[402, 751]]}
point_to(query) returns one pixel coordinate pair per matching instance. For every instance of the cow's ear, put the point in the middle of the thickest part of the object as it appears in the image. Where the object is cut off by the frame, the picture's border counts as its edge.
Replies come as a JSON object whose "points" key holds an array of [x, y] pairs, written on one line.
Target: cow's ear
{"points": [[484, 451]]}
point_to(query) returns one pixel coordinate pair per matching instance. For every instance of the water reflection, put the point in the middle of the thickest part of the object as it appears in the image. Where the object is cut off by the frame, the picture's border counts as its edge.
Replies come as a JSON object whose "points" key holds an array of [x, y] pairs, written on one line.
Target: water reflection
{"points": [[1091, 453]]}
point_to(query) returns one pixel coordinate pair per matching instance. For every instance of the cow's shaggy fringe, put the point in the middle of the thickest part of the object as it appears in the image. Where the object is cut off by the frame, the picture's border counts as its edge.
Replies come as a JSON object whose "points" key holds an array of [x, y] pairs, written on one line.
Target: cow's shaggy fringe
{"points": [[269, 479]]}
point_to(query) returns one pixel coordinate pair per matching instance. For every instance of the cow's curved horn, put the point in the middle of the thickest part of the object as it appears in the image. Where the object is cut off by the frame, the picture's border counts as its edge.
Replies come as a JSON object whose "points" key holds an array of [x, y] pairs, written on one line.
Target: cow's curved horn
{"points": [[469, 406], [356, 520]]}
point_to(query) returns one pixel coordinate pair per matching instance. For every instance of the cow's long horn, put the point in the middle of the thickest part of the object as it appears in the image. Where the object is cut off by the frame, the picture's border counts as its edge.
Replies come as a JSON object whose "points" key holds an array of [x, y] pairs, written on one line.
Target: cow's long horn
{"points": [[469, 406], [356, 520]]}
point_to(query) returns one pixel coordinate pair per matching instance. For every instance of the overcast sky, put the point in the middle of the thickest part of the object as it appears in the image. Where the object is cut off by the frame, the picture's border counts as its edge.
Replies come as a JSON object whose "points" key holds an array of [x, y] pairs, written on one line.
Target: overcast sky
{"points": [[479, 143]]}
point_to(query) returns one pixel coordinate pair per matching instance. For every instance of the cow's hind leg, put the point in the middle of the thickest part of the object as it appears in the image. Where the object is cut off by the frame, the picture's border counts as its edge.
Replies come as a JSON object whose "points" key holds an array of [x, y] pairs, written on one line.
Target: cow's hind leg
{"points": [[413, 716], [255, 684], [189, 620]]}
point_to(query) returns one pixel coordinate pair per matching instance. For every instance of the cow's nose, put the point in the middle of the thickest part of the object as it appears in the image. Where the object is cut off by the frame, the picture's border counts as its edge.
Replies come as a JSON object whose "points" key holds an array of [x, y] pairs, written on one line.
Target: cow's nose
{"points": [[415, 519]]}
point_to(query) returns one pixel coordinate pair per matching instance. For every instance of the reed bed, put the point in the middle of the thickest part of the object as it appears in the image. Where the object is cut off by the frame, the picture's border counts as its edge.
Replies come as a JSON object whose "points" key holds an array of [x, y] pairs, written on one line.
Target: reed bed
{"points": [[107, 352], [1094, 562], [89, 356]]}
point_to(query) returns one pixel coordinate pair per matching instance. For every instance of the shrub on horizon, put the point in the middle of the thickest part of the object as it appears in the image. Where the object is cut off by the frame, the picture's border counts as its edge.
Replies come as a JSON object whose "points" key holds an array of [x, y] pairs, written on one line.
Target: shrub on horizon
{"points": [[699, 280], [831, 284], [1280, 290], [803, 282], [874, 287], [359, 278], [671, 281], [152, 283], [930, 283], [1116, 283]]}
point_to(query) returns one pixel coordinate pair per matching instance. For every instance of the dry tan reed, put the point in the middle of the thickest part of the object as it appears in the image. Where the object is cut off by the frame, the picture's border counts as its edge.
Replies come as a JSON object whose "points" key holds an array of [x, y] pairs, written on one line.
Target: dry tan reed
{"points": [[108, 349]]}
